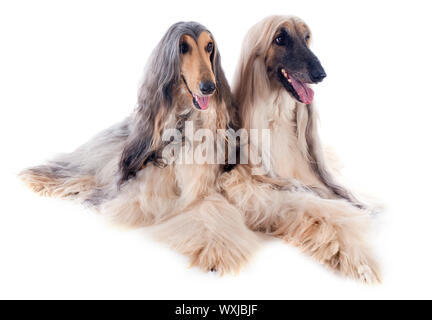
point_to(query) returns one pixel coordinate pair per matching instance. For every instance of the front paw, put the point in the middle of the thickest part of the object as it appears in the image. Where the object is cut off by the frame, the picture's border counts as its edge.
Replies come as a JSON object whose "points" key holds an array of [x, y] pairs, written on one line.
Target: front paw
{"points": [[355, 265], [217, 258]]}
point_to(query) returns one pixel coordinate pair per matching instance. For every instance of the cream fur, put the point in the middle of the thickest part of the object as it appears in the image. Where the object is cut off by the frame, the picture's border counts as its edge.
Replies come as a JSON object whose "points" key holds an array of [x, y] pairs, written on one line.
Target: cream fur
{"points": [[293, 202]]}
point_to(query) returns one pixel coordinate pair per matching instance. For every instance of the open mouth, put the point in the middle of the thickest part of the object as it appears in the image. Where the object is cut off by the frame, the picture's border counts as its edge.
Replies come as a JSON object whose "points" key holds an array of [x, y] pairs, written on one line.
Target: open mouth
{"points": [[199, 102], [298, 89]]}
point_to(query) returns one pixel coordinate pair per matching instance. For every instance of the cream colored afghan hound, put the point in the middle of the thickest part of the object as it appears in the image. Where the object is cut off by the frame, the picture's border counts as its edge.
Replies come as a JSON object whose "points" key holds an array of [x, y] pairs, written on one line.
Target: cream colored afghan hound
{"points": [[123, 173], [297, 199]]}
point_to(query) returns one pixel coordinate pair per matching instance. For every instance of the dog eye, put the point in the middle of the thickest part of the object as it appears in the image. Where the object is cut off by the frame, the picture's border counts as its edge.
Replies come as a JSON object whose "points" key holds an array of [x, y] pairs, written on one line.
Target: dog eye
{"points": [[184, 47], [280, 40], [307, 37], [209, 47]]}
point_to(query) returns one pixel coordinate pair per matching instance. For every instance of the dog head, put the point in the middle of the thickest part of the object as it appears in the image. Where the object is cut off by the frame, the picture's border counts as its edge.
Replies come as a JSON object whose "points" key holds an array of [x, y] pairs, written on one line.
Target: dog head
{"points": [[290, 61], [183, 73], [278, 46], [187, 62]]}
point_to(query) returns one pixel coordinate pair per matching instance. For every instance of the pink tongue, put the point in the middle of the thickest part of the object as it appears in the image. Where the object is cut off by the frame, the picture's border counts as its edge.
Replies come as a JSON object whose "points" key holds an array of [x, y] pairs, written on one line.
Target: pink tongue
{"points": [[203, 102], [305, 93]]}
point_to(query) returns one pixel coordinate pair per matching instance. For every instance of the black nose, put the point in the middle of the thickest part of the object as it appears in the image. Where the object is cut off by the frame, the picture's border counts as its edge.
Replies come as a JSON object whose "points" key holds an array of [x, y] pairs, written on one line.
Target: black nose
{"points": [[318, 76], [316, 71], [207, 87]]}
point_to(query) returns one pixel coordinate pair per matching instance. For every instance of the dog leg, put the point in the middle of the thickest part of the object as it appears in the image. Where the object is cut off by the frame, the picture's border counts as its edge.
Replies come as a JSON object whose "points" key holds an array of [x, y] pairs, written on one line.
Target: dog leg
{"points": [[47, 184], [332, 231], [212, 233]]}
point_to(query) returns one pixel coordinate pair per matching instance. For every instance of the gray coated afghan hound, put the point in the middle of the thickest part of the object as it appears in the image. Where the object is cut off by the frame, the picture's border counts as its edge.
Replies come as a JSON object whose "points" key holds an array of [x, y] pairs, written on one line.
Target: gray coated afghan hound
{"points": [[123, 173]]}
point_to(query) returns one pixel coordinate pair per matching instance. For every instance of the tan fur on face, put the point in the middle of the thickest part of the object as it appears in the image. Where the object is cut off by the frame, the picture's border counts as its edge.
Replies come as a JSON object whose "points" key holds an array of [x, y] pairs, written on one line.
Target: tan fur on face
{"points": [[274, 54], [196, 65]]}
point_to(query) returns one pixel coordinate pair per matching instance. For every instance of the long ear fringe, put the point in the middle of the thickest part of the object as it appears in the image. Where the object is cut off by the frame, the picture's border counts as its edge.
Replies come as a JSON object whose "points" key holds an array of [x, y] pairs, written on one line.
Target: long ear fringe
{"points": [[317, 161], [138, 149], [154, 100], [224, 91]]}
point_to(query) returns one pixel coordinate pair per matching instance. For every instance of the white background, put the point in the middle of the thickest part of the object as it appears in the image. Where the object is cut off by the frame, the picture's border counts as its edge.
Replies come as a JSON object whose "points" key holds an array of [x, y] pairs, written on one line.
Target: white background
{"points": [[71, 68]]}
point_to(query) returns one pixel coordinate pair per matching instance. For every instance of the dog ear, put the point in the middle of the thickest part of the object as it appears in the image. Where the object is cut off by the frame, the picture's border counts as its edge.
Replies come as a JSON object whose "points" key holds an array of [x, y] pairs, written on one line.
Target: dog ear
{"points": [[221, 81], [138, 149], [307, 132], [154, 102], [144, 144], [223, 93]]}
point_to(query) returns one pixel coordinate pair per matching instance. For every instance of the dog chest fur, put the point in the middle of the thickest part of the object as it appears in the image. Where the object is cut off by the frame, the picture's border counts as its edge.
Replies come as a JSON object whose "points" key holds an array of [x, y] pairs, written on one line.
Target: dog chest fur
{"points": [[288, 157]]}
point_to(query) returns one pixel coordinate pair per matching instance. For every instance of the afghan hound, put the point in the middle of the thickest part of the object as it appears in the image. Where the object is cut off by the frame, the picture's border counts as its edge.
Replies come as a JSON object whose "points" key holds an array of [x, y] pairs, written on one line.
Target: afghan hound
{"points": [[297, 199], [124, 173]]}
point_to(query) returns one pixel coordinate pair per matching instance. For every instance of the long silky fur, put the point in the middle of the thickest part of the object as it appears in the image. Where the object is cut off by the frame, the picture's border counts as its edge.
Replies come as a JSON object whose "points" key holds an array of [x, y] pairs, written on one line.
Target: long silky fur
{"points": [[317, 159], [122, 174], [298, 199], [251, 86]]}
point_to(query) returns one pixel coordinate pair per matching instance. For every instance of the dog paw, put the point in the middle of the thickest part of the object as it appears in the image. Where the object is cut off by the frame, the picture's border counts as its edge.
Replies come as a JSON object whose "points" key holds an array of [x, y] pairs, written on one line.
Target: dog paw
{"points": [[365, 274], [216, 258], [362, 269], [37, 183]]}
